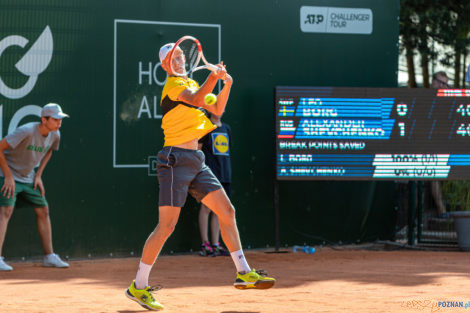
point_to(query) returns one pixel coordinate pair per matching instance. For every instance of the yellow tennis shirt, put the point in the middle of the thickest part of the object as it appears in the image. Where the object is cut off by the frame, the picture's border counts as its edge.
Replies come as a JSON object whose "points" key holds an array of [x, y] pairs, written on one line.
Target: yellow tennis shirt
{"points": [[181, 121]]}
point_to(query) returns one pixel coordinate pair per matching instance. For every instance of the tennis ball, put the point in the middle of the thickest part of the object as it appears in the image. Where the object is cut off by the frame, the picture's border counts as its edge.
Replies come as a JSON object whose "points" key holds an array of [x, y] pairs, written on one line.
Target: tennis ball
{"points": [[210, 99]]}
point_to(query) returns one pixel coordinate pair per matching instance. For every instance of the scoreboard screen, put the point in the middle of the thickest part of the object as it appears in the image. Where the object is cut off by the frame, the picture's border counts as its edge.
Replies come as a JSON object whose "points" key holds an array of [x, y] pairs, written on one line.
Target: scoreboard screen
{"points": [[330, 133]]}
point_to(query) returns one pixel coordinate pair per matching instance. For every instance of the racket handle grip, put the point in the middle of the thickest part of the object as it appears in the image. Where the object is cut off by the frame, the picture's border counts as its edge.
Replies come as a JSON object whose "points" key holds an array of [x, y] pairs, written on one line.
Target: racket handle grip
{"points": [[209, 67], [212, 67]]}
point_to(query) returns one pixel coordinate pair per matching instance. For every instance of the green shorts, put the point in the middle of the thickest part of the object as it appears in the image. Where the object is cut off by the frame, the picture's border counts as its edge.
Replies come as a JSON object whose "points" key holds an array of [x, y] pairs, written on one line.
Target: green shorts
{"points": [[26, 192]]}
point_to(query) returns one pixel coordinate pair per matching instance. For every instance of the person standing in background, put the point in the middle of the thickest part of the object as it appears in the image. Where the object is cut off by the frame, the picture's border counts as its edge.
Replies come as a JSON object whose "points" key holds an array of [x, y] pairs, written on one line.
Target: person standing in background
{"points": [[439, 80], [20, 152], [216, 147]]}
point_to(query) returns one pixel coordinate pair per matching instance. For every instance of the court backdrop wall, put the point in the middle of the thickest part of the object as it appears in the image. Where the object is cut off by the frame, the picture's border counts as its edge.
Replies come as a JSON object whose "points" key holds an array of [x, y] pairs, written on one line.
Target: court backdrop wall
{"points": [[98, 59]]}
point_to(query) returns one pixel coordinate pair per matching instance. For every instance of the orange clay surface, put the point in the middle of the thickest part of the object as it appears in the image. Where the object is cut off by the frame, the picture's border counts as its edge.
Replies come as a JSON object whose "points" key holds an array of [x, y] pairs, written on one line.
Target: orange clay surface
{"points": [[327, 281]]}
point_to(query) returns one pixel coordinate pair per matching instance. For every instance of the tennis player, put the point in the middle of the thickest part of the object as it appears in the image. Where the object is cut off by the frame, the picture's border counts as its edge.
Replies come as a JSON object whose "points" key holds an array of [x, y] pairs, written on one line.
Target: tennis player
{"points": [[181, 169], [20, 152]]}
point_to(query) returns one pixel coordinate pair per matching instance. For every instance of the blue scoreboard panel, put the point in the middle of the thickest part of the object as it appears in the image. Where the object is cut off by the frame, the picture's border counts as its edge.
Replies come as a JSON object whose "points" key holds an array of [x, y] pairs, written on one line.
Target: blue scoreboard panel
{"points": [[330, 133]]}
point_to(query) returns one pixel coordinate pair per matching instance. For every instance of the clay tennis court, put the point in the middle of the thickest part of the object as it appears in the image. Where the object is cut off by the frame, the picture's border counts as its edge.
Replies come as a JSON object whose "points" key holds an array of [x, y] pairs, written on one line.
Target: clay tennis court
{"points": [[327, 281]]}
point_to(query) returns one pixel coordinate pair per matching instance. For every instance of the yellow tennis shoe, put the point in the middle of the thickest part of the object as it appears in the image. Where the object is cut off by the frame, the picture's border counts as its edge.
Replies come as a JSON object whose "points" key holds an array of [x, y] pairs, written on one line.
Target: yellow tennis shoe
{"points": [[254, 280], [144, 297]]}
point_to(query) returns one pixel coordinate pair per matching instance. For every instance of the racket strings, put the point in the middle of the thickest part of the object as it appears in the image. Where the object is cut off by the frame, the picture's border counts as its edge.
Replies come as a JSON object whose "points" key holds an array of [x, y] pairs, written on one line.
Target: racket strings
{"points": [[192, 56], [189, 53]]}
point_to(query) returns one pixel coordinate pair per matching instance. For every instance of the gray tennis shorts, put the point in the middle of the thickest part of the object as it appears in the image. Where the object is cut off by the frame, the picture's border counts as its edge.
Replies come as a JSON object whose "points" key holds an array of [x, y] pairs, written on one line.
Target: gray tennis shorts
{"points": [[181, 171]]}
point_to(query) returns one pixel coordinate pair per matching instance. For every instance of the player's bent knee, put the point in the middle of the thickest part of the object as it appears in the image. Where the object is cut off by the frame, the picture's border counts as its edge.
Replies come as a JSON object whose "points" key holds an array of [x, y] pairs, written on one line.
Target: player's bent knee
{"points": [[231, 211], [166, 228], [6, 212], [228, 213], [42, 212]]}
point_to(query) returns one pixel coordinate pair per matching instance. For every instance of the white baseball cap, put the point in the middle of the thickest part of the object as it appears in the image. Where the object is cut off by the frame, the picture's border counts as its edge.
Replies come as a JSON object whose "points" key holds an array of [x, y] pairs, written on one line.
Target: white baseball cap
{"points": [[164, 51], [53, 110]]}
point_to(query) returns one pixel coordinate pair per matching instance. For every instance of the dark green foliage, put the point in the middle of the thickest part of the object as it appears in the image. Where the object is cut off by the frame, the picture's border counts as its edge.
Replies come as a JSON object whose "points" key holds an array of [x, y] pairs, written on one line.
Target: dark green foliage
{"points": [[446, 22], [457, 195]]}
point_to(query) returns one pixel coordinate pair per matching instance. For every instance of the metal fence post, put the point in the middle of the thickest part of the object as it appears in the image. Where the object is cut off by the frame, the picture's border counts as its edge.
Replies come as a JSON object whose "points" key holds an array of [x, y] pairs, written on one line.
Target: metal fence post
{"points": [[411, 212]]}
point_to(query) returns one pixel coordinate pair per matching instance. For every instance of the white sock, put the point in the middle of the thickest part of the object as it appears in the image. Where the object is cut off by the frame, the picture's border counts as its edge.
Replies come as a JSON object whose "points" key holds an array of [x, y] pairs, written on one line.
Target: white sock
{"points": [[240, 262], [143, 273]]}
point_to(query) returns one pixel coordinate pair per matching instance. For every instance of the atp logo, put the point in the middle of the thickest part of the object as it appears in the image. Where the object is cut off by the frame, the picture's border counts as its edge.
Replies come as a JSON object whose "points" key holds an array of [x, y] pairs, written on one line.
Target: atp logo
{"points": [[33, 62], [314, 19]]}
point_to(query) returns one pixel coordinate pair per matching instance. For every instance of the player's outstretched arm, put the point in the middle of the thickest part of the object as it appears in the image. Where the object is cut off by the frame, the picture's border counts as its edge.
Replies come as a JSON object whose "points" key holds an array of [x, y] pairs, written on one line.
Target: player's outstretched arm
{"points": [[219, 107], [196, 97]]}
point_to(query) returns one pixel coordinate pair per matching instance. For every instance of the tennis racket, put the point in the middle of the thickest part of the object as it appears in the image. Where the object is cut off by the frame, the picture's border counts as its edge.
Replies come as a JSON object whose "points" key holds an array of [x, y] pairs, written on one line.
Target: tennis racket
{"points": [[185, 57]]}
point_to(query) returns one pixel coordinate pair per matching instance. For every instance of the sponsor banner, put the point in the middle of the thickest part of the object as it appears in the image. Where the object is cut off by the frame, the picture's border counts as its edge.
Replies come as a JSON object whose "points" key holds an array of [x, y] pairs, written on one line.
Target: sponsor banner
{"points": [[336, 20]]}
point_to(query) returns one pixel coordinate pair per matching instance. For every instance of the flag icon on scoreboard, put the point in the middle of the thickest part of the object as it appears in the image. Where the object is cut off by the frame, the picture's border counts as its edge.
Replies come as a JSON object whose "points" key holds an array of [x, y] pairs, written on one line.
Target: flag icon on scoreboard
{"points": [[287, 129], [286, 111], [286, 102]]}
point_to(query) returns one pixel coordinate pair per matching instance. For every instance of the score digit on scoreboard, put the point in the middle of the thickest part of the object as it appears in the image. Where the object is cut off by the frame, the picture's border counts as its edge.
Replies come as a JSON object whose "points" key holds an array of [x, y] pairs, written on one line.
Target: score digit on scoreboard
{"points": [[330, 133]]}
